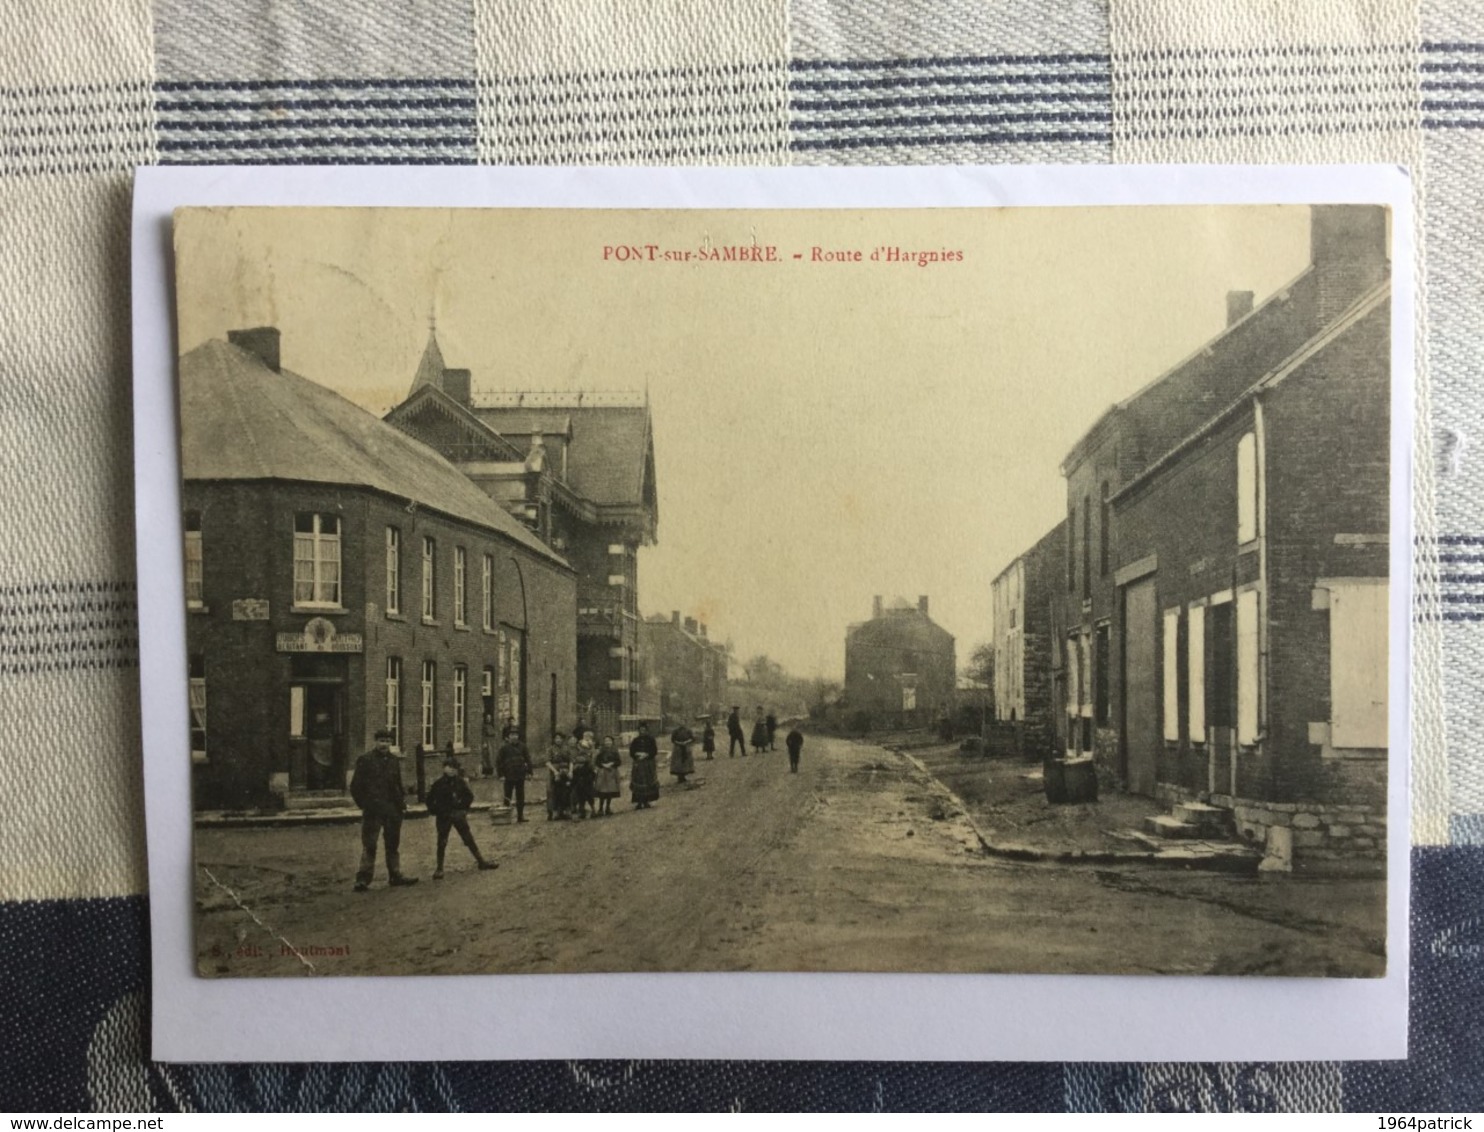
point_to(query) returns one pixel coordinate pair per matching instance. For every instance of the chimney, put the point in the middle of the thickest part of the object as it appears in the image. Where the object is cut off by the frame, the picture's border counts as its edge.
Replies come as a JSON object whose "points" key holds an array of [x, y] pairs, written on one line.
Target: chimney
{"points": [[876, 606], [675, 617], [704, 634], [456, 383], [1238, 306], [922, 605], [1348, 247], [690, 625], [260, 341]]}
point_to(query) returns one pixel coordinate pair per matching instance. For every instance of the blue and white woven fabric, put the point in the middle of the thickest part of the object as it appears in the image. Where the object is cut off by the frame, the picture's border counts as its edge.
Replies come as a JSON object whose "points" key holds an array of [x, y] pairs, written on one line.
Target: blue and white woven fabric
{"points": [[89, 90]]}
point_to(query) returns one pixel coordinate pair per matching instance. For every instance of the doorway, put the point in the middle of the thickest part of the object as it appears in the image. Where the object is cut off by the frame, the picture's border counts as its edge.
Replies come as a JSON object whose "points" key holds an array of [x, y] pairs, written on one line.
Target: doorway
{"points": [[1141, 722]]}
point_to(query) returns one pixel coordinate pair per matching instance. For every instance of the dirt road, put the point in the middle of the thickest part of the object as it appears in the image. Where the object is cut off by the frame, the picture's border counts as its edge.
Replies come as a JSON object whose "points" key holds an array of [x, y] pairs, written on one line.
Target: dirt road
{"points": [[860, 862]]}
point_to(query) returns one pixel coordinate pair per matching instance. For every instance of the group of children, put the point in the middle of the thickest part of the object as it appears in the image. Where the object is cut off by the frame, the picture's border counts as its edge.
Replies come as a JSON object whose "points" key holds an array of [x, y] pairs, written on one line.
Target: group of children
{"points": [[581, 778]]}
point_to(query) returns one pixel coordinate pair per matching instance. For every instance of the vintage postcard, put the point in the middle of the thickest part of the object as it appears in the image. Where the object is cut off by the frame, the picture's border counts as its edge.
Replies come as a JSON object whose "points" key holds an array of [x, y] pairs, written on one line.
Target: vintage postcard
{"points": [[957, 590]]}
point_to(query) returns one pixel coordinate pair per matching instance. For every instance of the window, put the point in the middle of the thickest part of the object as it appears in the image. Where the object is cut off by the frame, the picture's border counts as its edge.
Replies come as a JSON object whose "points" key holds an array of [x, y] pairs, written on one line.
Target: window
{"points": [[1358, 665], [1072, 549], [317, 560], [430, 594], [460, 703], [487, 694], [194, 583], [1102, 699], [489, 592], [198, 709], [430, 688], [1086, 548], [1247, 488], [1074, 676], [393, 570], [460, 590], [394, 697], [1171, 674], [1195, 667], [1104, 522], [1248, 668]]}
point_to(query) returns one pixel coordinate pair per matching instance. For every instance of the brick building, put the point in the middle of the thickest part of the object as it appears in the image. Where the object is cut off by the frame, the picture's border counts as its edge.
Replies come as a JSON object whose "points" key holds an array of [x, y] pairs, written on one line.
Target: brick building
{"points": [[1254, 634], [577, 469], [900, 666], [1226, 536], [685, 672], [341, 577], [1024, 599]]}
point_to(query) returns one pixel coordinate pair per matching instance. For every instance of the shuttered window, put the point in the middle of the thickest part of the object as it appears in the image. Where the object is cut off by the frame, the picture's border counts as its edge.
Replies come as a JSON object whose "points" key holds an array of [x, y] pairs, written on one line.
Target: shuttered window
{"points": [[1195, 666], [1248, 668], [1172, 676], [1247, 488], [1358, 666]]}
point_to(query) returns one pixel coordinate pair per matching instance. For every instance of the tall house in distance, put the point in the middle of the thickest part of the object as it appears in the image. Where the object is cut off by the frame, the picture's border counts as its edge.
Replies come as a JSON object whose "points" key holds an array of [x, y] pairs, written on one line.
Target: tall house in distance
{"points": [[578, 470], [1024, 599], [900, 666]]}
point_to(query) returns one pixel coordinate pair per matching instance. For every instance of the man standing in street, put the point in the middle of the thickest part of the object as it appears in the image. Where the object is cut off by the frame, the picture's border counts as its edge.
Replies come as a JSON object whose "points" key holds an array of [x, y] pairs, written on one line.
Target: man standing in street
{"points": [[735, 736], [513, 765], [377, 789], [795, 744]]}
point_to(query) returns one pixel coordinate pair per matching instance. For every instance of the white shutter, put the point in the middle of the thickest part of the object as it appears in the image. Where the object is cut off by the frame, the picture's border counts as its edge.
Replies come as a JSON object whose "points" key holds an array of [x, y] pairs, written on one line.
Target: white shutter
{"points": [[1072, 677], [1358, 666], [1195, 667], [1172, 676], [1247, 667], [1247, 488]]}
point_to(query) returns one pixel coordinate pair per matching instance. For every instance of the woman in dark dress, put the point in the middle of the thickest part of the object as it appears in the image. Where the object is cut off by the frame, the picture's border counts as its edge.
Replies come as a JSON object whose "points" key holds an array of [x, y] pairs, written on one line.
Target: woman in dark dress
{"points": [[644, 777], [708, 741], [760, 732]]}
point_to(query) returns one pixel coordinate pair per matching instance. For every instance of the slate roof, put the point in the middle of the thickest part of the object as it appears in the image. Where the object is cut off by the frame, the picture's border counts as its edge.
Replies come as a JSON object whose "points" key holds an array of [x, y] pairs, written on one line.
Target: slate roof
{"points": [[610, 448], [430, 369], [241, 420]]}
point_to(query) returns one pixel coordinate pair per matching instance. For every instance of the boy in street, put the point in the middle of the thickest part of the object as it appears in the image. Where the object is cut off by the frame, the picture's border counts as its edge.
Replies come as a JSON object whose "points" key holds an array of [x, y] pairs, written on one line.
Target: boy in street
{"points": [[377, 789], [449, 800], [795, 744]]}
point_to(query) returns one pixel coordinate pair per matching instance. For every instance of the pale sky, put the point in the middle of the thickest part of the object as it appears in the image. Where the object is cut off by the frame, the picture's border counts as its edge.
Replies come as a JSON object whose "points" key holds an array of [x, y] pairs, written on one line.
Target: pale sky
{"points": [[824, 432]]}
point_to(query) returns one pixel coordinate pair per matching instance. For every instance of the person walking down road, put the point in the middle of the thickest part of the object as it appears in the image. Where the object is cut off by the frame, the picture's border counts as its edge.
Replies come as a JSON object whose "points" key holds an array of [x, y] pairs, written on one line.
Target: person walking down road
{"points": [[795, 744], [605, 785], [736, 740], [377, 789], [708, 741], [558, 779], [760, 732], [448, 801], [682, 759], [488, 745], [644, 777], [583, 775], [513, 765], [772, 725]]}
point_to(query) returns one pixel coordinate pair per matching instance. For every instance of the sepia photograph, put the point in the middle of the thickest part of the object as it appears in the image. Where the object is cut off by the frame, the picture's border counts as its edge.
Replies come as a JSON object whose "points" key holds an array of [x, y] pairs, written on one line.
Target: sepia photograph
{"points": [[952, 590]]}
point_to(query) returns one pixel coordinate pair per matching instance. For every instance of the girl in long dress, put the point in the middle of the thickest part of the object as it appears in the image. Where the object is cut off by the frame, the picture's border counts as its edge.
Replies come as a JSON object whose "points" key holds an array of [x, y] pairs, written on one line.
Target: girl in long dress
{"points": [[682, 760], [644, 778], [606, 785], [760, 732]]}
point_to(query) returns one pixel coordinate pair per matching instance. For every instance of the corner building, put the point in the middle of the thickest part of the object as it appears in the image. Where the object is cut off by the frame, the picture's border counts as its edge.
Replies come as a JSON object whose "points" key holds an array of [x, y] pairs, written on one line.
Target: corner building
{"points": [[342, 577]]}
